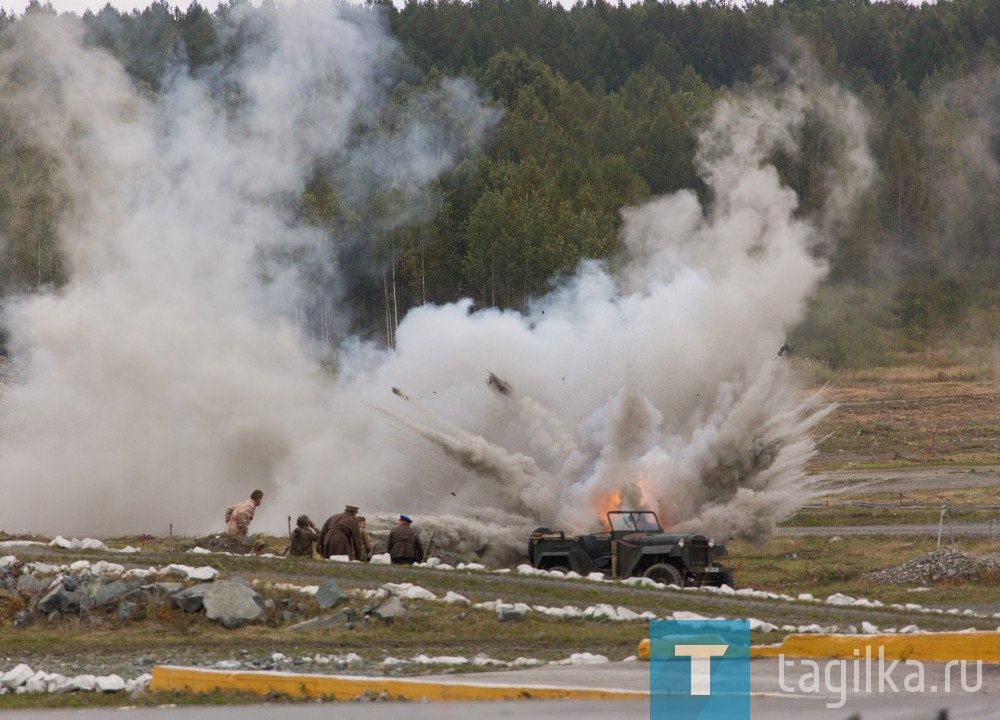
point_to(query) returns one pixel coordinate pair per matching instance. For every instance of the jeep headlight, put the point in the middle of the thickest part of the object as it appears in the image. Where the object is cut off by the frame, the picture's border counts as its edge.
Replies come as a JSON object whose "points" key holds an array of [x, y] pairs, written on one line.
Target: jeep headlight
{"points": [[680, 543], [711, 542]]}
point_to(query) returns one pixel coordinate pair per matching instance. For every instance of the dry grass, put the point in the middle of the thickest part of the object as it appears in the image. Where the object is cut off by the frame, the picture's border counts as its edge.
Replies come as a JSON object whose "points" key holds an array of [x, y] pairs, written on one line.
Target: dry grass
{"points": [[796, 565], [906, 419]]}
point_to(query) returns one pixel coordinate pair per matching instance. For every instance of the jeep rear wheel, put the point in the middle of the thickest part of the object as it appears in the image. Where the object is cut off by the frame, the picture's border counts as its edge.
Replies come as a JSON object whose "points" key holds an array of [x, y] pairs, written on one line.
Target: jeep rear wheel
{"points": [[726, 578], [664, 573]]}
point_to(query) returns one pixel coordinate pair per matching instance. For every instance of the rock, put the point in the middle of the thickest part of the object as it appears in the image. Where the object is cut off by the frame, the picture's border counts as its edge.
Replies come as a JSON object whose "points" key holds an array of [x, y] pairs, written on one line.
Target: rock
{"points": [[163, 589], [508, 613], [129, 611], [839, 599], [937, 565], [24, 618], [340, 618], [233, 604], [60, 599], [109, 683], [191, 599], [82, 682], [390, 609], [16, 676], [111, 593], [330, 595], [31, 585]]}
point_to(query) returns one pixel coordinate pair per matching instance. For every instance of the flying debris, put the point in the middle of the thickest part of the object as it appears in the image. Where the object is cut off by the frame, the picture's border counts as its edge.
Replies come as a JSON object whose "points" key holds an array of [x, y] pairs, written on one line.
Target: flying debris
{"points": [[401, 394], [501, 386]]}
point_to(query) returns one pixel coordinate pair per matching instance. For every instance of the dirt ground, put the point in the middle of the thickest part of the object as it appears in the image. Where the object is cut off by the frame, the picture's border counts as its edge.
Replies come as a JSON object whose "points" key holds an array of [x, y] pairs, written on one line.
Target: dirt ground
{"points": [[910, 423]]}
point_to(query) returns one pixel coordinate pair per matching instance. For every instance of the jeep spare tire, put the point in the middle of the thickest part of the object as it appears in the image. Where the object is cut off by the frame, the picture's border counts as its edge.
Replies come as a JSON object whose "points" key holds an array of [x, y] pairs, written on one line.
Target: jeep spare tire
{"points": [[531, 545], [664, 573]]}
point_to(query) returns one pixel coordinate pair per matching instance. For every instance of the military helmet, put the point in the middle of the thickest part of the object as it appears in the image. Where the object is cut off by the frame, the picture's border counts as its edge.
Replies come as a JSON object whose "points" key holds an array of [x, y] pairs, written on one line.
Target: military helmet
{"points": [[303, 521]]}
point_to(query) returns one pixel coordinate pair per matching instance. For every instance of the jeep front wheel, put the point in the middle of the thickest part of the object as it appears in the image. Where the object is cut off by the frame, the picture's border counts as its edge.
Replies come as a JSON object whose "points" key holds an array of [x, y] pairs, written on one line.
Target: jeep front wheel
{"points": [[664, 573]]}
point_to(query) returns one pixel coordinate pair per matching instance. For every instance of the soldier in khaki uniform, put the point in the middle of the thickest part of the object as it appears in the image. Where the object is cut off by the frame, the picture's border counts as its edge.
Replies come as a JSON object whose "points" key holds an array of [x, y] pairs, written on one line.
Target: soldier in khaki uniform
{"points": [[366, 539]]}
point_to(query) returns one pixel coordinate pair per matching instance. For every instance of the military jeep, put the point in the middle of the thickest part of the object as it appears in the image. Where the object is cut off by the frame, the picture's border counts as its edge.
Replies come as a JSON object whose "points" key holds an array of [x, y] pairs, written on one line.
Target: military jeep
{"points": [[635, 546]]}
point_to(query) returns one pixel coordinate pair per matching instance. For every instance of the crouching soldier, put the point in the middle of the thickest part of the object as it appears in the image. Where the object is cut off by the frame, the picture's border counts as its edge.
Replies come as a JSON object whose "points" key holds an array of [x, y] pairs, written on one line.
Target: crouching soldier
{"points": [[303, 537], [405, 547], [366, 539]]}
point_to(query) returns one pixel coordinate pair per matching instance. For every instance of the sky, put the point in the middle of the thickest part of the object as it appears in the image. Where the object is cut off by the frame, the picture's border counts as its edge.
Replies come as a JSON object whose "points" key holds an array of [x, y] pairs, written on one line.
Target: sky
{"points": [[81, 6]]}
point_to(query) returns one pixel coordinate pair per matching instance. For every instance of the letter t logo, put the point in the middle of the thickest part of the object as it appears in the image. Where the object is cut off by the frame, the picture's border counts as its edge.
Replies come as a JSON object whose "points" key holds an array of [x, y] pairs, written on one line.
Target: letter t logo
{"points": [[701, 664]]}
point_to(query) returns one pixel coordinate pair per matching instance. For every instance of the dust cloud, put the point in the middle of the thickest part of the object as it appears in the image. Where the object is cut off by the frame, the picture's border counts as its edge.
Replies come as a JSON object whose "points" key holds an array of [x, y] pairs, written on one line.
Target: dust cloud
{"points": [[173, 374]]}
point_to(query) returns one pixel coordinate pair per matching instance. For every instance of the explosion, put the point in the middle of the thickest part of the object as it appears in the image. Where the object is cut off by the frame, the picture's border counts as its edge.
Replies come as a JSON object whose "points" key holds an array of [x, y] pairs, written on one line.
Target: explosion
{"points": [[170, 375]]}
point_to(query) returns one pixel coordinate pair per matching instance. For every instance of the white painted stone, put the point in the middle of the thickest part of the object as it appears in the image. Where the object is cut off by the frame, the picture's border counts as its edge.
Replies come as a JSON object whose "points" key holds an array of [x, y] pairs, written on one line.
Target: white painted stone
{"points": [[840, 599], [109, 683], [82, 682], [103, 567], [16, 676], [625, 614], [36, 683], [203, 573]]}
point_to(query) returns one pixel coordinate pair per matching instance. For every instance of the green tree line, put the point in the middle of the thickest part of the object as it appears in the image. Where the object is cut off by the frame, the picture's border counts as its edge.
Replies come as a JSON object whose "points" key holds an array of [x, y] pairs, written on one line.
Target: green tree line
{"points": [[602, 105]]}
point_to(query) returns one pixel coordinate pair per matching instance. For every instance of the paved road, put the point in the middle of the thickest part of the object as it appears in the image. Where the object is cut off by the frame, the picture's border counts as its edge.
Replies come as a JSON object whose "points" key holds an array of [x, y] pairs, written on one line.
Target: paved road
{"points": [[931, 531], [908, 479], [798, 693]]}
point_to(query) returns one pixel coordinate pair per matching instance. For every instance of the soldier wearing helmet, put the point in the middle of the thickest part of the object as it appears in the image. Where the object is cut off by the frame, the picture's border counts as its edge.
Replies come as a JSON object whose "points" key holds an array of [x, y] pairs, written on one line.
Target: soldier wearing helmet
{"points": [[303, 537]]}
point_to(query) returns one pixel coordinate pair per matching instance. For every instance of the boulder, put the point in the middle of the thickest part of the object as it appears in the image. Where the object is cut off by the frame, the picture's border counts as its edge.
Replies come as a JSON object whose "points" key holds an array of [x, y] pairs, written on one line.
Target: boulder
{"points": [[330, 595], [191, 599], [233, 604], [16, 676], [390, 609]]}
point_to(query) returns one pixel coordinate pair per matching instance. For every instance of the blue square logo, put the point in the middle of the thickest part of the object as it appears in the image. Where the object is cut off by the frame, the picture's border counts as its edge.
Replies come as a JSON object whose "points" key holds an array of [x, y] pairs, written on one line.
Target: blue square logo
{"points": [[699, 670]]}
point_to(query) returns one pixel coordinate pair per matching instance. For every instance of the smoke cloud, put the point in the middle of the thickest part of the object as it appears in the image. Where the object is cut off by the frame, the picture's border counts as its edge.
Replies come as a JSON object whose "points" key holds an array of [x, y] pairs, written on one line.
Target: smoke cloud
{"points": [[169, 378]]}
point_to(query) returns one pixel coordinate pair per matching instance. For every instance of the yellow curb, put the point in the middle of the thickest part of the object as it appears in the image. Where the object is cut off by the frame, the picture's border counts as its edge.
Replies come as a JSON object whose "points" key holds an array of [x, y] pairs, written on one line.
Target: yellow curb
{"points": [[926, 647], [347, 687]]}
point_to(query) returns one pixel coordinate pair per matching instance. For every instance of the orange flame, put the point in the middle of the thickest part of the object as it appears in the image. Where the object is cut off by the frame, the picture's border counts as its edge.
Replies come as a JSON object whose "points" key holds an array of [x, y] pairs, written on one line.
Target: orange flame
{"points": [[606, 503], [640, 496]]}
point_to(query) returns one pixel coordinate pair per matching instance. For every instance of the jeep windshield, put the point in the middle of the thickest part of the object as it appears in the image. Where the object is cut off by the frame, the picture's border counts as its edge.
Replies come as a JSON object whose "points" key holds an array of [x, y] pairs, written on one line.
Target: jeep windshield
{"points": [[633, 521]]}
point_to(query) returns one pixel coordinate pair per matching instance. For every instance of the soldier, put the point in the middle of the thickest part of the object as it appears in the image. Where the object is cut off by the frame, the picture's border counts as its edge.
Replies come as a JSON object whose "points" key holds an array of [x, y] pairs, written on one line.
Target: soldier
{"points": [[366, 539], [238, 516], [405, 547], [303, 537], [341, 535]]}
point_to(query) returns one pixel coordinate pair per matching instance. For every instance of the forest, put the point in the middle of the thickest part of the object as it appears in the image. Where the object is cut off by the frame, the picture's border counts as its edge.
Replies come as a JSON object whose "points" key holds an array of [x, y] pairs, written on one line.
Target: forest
{"points": [[599, 107]]}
